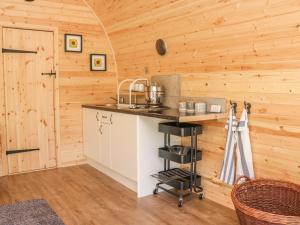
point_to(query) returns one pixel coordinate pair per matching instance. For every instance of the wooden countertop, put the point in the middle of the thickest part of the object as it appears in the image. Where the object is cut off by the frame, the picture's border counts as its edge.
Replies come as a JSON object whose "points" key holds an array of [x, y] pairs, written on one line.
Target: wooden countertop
{"points": [[201, 117]]}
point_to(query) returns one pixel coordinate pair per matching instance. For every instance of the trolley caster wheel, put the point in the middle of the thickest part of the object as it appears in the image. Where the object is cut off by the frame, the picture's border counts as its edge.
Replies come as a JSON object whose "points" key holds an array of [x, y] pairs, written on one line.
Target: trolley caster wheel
{"points": [[201, 196], [180, 203], [155, 191]]}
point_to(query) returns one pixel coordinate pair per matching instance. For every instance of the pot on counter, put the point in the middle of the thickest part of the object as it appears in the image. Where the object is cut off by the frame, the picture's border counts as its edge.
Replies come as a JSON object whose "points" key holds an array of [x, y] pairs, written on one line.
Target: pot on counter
{"points": [[154, 94]]}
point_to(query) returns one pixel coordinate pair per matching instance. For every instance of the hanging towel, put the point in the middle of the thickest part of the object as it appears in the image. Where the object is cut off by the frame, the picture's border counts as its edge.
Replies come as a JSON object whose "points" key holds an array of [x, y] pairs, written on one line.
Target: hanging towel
{"points": [[238, 154], [228, 167], [243, 148]]}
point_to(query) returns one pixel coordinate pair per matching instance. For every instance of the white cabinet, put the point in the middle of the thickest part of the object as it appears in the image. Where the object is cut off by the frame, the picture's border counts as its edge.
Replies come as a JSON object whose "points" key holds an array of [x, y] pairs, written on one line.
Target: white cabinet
{"points": [[91, 138], [105, 144], [97, 136], [124, 147], [111, 141], [124, 144]]}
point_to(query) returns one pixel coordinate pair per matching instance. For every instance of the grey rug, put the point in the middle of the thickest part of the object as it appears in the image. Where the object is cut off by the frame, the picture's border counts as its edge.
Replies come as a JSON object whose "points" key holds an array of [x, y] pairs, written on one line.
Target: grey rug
{"points": [[31, 212]]}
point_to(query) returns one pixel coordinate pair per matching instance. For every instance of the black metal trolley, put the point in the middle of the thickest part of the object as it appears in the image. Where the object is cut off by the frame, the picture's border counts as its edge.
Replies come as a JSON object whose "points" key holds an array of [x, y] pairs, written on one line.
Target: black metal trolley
{"points": [[183, 181]]}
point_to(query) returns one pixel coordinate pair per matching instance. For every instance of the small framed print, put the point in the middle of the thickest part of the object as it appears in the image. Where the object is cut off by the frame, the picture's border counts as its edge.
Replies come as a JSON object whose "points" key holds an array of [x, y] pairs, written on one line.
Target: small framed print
{"points": [[98, 62], [73, 43]]}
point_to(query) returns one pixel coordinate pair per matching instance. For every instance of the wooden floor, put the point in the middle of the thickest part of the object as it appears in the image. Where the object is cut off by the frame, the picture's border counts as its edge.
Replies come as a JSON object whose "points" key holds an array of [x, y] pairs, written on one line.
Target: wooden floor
{"points": [[82, 195]]}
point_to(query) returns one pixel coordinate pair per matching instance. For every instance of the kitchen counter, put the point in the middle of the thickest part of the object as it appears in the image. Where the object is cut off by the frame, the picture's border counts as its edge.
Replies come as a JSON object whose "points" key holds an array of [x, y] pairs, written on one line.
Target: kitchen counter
{"points": [[121, 142], [168, 114]]}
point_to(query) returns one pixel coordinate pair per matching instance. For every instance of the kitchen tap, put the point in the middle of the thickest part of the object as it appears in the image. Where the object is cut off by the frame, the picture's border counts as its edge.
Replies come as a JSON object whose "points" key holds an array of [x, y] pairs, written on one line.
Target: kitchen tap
{"points": [[119, 88], [131, 106]]}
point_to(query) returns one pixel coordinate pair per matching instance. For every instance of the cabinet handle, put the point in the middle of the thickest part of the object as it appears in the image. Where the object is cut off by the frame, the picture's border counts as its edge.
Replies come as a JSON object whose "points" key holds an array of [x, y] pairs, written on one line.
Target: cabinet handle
{"points": [[97, 118], [111, 122], [100, 129]]}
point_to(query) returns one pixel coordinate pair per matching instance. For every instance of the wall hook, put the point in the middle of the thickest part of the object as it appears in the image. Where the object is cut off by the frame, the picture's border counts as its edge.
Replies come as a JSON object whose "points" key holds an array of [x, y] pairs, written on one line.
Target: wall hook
{"points": [[234, 106], [247, 106]]}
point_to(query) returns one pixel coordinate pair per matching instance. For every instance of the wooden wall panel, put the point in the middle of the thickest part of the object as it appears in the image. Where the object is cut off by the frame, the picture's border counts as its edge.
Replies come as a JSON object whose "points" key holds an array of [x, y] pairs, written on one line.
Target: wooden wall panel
{"points": [[77, 85], [236, 49]]}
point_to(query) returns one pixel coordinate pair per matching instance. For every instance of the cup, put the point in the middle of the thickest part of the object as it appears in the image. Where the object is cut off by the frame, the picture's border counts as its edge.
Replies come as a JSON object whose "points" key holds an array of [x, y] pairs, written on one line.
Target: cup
{"points": [[141, 87], [135, 87], [182, 106], [190, 107], [200, 107]]}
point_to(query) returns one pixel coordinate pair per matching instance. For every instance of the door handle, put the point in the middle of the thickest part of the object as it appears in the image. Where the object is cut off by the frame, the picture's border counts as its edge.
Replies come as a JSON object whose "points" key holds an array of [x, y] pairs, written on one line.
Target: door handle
{"points": [[52, 73], [100, 129], [111, 122]]}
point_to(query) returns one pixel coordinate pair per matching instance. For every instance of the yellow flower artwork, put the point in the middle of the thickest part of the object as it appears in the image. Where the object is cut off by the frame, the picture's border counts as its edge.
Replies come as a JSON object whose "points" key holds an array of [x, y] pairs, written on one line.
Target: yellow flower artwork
{"points": [[73, 43], [98, 62]]}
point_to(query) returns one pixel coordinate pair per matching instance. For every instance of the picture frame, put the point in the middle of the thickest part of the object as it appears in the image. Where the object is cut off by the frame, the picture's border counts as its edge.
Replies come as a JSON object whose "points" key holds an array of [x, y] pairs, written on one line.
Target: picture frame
{"points": [[73, 43], [98, 62]]}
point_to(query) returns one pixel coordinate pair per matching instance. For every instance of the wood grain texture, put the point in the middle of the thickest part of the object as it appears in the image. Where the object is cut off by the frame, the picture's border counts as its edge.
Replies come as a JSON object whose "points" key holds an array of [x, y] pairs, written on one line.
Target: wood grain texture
{"points": [[29, 98], [76, 84], [236, 49], [97, 199]]}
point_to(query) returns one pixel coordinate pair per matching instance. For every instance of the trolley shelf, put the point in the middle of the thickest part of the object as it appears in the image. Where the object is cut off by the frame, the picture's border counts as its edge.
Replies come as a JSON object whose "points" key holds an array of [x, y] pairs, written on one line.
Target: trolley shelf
{"points": [[180, 180], [178, 154], [177, 178], [179, 129]]}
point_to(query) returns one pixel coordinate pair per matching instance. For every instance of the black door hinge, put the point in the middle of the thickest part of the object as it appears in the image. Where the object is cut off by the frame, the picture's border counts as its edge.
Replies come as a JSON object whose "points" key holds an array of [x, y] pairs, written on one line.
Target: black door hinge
{"points": [[10, 152], [5, 50]]}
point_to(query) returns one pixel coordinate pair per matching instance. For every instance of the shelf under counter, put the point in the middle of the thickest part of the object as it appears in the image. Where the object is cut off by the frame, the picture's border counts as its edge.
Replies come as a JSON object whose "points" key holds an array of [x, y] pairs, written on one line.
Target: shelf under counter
{"points": [[201, 117], [168, 114]]}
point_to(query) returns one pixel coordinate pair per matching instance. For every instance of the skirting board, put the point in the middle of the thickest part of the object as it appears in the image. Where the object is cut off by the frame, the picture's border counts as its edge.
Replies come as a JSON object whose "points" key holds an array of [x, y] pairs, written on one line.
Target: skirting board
{"points": [[132, 185]]}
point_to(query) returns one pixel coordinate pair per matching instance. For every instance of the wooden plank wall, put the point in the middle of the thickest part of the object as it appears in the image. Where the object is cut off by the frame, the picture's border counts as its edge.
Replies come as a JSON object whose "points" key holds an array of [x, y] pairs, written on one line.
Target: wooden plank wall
{"points": [[77, 85], [236, 49]]}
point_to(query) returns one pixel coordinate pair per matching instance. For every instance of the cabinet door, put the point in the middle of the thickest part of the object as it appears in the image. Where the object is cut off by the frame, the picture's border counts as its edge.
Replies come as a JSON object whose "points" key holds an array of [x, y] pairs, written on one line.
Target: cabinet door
{"points": [[105, 144], [91, 134], [124, 144]]}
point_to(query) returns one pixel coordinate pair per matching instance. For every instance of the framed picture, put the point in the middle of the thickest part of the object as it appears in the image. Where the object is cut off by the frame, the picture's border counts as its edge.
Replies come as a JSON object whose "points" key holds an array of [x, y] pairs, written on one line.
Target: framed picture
{"points": [[98, 62], [73, 43]]}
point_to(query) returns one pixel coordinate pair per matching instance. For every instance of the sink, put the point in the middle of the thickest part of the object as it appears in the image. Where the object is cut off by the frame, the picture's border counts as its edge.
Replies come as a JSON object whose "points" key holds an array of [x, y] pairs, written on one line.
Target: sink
{"points": [[108, 105], [139, 109]]}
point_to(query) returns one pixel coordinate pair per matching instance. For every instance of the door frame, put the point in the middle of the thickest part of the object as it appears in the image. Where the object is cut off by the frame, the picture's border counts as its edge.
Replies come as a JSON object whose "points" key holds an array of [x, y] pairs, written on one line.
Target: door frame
{"points": [[3, 138]]}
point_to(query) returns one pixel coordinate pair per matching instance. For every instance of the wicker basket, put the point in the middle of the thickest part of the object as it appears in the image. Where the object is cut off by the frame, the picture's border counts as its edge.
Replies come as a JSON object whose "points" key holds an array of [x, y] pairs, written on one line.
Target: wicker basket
{"points": [[266, 202]]}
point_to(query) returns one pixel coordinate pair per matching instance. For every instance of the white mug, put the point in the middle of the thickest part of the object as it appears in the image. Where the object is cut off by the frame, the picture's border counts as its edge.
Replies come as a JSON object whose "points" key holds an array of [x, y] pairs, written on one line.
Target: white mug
{"points": [[182, 106], [200, 107], [141, 88], [136, 87], [190, 107]]}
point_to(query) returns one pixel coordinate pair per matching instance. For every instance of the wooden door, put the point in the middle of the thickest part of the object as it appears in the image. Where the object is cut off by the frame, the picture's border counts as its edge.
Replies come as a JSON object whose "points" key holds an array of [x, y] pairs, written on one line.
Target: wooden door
{"points": [[29, 99]]}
